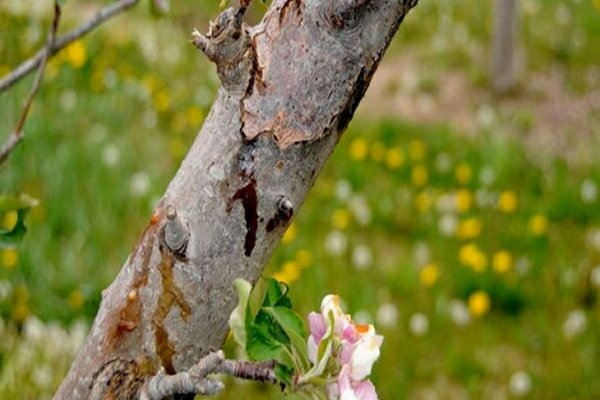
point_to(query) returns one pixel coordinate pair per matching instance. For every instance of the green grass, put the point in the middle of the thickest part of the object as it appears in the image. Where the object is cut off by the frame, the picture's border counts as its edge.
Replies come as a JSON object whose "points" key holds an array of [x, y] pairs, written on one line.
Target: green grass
{"points": [[106, 135]]}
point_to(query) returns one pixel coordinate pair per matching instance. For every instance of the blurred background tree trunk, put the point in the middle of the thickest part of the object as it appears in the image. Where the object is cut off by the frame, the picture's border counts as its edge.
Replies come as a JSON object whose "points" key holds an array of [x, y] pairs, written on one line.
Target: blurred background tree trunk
{"points": [[503, 68]]}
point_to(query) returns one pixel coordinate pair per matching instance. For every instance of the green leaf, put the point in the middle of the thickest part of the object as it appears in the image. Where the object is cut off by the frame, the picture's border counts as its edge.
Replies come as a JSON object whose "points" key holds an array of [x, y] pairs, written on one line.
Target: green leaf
{"points": [[293, 327], [261, 346], [276, 294], [21, 205], [284, 374], [270, 328], [288, 320], [257, 297], [238, 320]]}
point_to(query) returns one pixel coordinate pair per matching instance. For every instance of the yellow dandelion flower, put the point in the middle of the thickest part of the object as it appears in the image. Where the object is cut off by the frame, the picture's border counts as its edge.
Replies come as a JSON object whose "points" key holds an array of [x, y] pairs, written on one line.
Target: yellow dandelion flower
{"points": [[304, 258], [469, 228], [463, 173], [76, 299], [429, 275], [538, 225], [419, 175], [20, 312], [377, 151], [502, 262], [471, 256], [194, 116], [507, 202], [423, 202], [394, 158], [464, 200], [290, 234], [416, 150], [10, 257], [596, 4], [162, 101], [10, 220], [479, 303], [290, 271], [359, 149], [75, 54], [341, 219]]}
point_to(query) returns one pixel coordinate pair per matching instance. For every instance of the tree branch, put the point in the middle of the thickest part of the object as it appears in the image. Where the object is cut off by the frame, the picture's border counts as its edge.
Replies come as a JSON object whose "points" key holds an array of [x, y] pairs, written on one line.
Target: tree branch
{"points": [[17, 135], [63, 41], [195, 381]]}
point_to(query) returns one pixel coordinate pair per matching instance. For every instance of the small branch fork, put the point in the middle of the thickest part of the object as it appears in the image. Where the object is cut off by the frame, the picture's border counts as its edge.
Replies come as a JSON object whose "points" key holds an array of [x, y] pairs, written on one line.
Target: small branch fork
{"points": [[17, 135], [39, 60], [226, 44], [196, 381]]}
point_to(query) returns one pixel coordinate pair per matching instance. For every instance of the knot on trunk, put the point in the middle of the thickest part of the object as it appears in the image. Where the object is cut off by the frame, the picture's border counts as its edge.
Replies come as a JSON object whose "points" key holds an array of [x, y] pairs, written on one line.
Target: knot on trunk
{"points": [[175, 234], [227, 44]]}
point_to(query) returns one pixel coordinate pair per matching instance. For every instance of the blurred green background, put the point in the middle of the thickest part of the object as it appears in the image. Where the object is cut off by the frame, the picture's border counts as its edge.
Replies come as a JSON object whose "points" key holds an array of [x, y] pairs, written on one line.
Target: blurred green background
{"points": [[463, 224]]}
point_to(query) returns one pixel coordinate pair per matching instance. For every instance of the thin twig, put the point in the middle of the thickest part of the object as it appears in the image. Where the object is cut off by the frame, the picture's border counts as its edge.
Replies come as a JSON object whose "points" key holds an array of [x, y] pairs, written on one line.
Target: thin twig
{"points": [[195, 381], [29, 65], [17, 135]]}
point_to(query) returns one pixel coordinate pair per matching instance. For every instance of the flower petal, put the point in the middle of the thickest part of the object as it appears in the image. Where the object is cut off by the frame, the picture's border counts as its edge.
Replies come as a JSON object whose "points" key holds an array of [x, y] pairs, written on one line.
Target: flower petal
{"points": [[365, 353], [365, 390], [317, 325]]}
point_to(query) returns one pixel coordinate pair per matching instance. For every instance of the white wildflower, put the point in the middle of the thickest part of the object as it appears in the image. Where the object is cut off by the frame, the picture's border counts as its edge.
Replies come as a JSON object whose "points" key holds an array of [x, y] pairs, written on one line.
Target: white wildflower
{"points": [[589, 191], [575, 324], [520, 384], [139, 184], [387, 315], [459, 313], [362, 257], [419, 324], [336, 243]]}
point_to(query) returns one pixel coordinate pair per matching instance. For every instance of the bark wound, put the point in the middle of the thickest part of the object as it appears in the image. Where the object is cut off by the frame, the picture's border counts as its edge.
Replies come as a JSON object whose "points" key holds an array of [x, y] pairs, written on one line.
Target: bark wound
{"points": [[128, 317], [249, 199], [247, 194], [170, 295]]}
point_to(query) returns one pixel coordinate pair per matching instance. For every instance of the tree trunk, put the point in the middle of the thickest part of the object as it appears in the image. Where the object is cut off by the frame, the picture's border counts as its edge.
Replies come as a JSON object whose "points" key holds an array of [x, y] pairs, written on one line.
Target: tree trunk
{"points": [[290, 86], [503, 46]]}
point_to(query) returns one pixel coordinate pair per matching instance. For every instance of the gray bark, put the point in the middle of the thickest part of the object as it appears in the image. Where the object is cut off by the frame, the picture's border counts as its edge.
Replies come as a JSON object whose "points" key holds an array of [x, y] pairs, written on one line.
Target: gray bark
{"points": [[290, 87], [504, 44]]}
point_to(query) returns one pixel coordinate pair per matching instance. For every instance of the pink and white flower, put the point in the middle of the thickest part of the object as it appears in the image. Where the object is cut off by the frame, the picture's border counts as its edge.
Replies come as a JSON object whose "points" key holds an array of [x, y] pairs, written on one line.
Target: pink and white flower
{"points": [[354, 347]]}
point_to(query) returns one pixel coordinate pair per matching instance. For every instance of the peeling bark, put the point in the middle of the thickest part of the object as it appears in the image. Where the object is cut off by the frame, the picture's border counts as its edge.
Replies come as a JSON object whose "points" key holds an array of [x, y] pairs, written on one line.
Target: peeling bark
{"points": [[290, 87]]}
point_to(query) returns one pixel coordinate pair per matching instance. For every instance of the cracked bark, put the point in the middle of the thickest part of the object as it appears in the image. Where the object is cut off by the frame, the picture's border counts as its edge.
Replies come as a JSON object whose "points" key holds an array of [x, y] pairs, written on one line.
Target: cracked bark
{"points": [[290, 86]]}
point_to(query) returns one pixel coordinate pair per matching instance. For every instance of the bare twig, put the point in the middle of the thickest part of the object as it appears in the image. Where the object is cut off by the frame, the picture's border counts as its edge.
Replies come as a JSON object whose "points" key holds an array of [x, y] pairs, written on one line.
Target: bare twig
{"points": [[29, 65], [17, 135], [195, 381]]}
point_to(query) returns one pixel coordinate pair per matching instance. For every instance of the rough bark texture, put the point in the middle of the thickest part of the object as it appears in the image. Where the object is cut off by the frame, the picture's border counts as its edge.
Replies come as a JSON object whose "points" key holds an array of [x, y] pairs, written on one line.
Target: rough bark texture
{"points": [[290, 87]]}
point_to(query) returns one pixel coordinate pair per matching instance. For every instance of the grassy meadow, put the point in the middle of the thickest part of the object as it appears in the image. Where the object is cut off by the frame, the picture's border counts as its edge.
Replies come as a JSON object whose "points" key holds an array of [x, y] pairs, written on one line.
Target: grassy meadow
{"points": [[474, 247]]}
